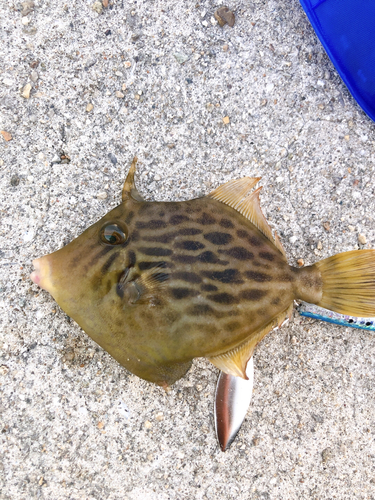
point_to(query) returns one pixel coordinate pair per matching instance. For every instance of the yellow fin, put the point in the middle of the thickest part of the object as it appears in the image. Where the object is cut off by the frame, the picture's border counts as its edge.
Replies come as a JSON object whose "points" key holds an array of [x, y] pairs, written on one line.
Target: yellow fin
{"points": [[234, 361], [348, 283], [235, 194], [250, 208], [129, 188], [231, 193]]}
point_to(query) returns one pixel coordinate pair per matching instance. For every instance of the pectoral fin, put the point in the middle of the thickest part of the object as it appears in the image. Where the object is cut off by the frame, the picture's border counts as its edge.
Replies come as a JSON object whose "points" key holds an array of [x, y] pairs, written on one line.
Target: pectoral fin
{"points": [[135, 288]]}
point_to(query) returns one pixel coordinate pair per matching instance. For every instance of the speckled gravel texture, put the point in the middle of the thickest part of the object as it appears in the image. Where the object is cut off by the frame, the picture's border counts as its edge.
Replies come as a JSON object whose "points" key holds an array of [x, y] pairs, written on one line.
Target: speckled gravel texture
{"points": [[75, 424]]}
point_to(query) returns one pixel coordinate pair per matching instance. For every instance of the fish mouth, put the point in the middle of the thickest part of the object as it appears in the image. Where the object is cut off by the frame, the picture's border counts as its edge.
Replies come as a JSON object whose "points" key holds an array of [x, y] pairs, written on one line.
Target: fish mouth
{"points": [[41, 275]]}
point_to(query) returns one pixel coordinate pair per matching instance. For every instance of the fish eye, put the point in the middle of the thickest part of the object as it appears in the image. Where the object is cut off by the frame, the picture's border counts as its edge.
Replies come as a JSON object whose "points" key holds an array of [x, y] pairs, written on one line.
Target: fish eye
{"points": [[113, 234]]}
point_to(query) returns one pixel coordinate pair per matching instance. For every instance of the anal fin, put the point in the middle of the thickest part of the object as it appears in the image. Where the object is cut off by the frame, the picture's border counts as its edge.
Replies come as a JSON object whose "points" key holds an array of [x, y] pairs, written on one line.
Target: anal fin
{"points": [[234, 362]]}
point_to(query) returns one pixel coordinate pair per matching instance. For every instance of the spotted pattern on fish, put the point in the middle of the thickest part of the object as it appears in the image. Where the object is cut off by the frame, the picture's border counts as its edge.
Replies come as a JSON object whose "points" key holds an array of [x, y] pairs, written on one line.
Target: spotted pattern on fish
{"points": [[196, 273]]}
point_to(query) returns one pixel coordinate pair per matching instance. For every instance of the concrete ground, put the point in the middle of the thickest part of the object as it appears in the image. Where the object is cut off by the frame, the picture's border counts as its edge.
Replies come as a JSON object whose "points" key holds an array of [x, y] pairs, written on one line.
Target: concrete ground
{"points": [[199, 105]]}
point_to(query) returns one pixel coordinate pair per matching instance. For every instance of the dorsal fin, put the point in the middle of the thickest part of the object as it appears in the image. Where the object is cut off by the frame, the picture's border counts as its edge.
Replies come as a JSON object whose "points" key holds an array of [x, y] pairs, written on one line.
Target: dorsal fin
{"points": [[234, 361], [232, 192], [129, 188], [250, 208]]}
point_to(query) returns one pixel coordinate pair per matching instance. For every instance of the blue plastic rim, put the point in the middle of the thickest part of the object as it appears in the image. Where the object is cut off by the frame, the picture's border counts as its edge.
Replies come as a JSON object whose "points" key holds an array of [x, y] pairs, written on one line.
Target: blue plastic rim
{"points": [[346, 29]]}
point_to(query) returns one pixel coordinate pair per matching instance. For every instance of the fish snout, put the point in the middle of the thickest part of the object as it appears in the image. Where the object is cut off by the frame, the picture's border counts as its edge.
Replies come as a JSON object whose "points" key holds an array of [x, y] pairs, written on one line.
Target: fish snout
{"points": [[42, 273]]}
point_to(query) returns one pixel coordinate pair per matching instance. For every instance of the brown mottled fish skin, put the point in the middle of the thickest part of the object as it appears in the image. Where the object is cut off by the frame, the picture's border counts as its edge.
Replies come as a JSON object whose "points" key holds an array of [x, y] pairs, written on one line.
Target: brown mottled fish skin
{"points": [[193, 278]]}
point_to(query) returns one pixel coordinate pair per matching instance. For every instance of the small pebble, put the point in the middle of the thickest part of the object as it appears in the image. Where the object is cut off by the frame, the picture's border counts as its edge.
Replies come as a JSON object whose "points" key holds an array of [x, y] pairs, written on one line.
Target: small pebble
{"points": [[100, 425], [300, 262], [327, 455], [224, 16], [264, 102], [225, 48], [137, 96], [26, 91], [89, 107], [119, 94], [181, 57], [97, 7], [4, 370], [113, 158], [27, 8], [127, 64], [25, 20], [148, 424], [210, 107], [159, 416], [319, 246], [8, 82], [123, 86], [69, 355], [226, 120], [293, 340], [7, 136], [56, 159], [34, 76], [362, 239], [347, 137], [327, 226], [102, 196], [157, 177]]}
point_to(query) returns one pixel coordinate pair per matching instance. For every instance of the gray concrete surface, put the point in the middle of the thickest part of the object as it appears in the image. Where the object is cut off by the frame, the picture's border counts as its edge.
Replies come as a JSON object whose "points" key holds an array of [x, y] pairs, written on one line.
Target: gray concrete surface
{"points": [[74, 424]]}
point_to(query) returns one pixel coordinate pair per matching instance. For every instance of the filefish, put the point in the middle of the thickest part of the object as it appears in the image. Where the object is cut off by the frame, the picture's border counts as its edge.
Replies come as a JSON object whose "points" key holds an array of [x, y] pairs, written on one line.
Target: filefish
{"points": [[157, 284]]}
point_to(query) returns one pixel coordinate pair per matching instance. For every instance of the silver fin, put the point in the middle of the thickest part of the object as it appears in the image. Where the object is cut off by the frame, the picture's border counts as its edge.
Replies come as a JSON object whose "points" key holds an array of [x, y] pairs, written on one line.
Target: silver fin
{"points": [[232, 399]]}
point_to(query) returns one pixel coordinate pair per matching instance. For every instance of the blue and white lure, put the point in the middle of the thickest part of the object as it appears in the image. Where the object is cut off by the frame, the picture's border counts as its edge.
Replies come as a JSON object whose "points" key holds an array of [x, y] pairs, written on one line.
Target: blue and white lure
{"points": [[316, 312]]}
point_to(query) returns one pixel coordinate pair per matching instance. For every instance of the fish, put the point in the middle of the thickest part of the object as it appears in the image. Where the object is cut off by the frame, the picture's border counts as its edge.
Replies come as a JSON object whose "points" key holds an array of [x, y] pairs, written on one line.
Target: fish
{"points": [[157, 284]]}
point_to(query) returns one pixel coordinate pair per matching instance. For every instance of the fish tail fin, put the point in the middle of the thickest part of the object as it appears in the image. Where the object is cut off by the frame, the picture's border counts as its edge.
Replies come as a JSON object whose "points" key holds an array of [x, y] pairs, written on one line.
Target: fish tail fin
{"points": [[344, 283]]}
